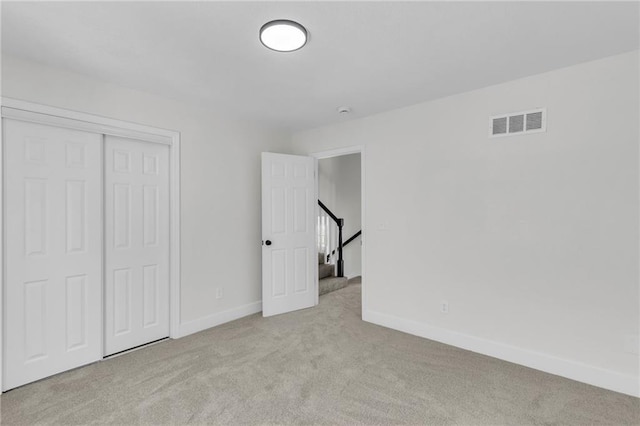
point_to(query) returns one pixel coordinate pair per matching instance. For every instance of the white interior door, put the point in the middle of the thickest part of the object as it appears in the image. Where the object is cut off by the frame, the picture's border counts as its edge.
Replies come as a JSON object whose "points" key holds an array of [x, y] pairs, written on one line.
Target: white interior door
{"points": [[137, 243], [289, 257], [53, 286]]}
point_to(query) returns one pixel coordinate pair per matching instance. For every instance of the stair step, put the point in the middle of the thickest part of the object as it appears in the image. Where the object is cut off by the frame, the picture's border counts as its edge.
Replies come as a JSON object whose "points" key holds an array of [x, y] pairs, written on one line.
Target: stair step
{"points": [[325, 270], [331, 284]]}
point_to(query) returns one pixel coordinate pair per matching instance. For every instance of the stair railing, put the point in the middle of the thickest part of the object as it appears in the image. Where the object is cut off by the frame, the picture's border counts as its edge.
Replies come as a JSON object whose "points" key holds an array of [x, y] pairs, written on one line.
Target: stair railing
{"points": [[333, 239], [346, 243]]}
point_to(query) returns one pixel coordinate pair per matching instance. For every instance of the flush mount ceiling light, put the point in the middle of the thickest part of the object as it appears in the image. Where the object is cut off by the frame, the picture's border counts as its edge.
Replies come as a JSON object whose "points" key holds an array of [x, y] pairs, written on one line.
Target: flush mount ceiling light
{"points": [[283, 35]]}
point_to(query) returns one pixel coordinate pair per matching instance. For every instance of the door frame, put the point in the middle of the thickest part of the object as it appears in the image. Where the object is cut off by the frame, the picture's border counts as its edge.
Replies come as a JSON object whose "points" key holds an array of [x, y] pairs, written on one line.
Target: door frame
{"points": [[339, 152], [43, 114]]}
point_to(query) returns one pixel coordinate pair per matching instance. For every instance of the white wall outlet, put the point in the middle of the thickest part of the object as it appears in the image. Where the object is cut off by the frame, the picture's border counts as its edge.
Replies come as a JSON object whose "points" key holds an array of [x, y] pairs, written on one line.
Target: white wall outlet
{"points": [[219, 293], [444, 307], [383, 226]]}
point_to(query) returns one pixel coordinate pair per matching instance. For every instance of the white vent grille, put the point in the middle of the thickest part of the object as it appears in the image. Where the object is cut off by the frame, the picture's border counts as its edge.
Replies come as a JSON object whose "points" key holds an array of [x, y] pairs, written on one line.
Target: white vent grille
{"points": [[534, 121], [499, 125], [518, 123]]}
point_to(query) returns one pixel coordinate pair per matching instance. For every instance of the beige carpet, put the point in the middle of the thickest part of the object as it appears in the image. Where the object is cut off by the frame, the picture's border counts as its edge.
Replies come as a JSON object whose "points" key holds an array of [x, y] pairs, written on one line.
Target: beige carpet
{"points": [[355, 280], [317, 366]]}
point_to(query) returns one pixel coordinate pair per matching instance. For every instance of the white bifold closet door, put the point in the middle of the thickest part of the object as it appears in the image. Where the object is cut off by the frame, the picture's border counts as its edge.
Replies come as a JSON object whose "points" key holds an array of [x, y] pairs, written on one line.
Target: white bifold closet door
{"points": [[137, 243], [53, 246]]}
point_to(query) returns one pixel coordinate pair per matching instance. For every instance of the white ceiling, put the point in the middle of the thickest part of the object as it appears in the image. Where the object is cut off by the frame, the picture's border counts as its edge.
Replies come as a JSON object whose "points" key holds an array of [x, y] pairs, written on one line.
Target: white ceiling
{"points": [[372, 56]]}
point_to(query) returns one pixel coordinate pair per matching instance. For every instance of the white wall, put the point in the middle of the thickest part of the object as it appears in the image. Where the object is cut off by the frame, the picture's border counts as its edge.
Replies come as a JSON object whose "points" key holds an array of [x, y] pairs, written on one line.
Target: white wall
{"points": [[339, 190], [220, 182], [532, 239]]}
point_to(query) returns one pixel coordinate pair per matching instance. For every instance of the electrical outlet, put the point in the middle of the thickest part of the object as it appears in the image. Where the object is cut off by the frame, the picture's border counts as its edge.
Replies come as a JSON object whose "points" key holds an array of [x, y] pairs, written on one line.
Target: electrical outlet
{"points": [[444, 307], [219, 293]]}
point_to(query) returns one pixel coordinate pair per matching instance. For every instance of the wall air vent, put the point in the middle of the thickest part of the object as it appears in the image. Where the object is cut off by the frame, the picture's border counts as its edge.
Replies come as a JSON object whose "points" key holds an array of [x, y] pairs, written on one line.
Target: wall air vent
{"points": [[499, 126], [518, 123]]}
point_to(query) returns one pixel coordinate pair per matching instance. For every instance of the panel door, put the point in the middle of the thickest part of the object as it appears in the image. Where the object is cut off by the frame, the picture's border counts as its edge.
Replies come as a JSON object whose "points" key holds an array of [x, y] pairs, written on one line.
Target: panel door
{"points": [[53, 286], [137, 243], [289, 255]]}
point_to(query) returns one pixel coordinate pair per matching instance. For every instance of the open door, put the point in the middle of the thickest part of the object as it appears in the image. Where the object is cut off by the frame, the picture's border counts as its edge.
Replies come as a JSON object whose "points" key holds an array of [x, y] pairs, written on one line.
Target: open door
{"points": [[289, 254]]}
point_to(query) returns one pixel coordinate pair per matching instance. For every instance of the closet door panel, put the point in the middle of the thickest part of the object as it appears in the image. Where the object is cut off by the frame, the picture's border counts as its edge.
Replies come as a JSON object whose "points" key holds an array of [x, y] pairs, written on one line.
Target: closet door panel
{"points": [[137, 248], [53, 286]]}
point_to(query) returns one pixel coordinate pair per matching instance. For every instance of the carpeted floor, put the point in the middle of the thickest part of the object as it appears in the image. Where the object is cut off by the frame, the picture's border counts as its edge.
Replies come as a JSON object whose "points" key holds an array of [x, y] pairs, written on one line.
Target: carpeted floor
{"points": [[317, 366]]}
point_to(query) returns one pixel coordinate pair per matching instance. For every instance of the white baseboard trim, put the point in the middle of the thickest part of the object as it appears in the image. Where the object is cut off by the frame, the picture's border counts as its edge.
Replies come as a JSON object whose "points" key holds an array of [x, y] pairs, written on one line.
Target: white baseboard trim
{"points": [[580, 372], [194, 326]]}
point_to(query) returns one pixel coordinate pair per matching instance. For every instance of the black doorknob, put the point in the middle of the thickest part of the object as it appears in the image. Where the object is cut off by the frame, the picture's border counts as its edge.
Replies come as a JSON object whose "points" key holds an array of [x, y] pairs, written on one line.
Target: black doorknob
{"points": [[268, 242]]}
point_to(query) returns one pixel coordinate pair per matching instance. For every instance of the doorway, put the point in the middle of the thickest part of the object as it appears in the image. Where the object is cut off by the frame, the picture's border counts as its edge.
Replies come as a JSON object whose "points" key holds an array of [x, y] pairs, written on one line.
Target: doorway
{"points": [[341, 194]]}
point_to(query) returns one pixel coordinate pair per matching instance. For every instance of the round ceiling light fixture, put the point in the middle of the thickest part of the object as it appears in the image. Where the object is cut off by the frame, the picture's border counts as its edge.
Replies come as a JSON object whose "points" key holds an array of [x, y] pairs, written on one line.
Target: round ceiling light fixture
{"points": [[283, 35]]}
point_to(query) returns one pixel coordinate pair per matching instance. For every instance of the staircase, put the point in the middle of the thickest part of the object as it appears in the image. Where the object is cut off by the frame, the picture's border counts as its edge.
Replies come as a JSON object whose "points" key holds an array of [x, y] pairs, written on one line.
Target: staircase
{"points": [[327, 279], [330, 262]]}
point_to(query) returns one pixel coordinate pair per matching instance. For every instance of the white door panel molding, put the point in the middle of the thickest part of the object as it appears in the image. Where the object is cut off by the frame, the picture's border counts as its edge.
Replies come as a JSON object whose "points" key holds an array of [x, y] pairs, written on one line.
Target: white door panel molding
{"points": [[136, 243], [73, 234], [53, 243], [289, 255]]}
